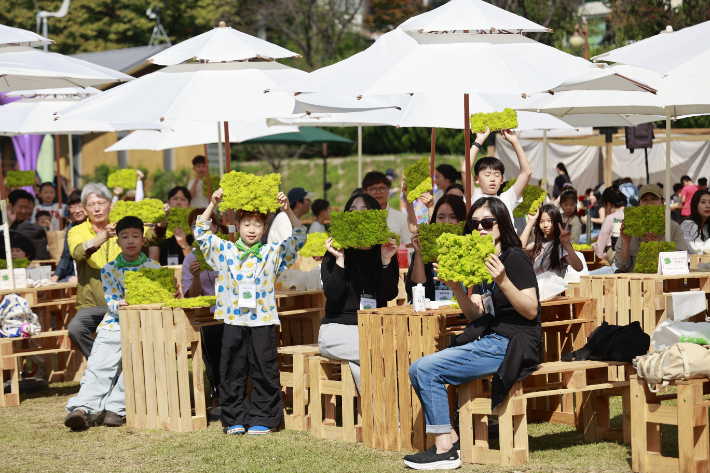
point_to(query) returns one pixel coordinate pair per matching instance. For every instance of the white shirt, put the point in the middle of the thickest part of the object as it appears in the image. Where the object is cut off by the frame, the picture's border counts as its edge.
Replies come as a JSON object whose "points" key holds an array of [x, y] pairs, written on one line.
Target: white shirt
{"points": [[317, 227], [508, 198], [280, 229], [695, 244], [55, 211], [542, 260], [199, 199], [397, 223]]}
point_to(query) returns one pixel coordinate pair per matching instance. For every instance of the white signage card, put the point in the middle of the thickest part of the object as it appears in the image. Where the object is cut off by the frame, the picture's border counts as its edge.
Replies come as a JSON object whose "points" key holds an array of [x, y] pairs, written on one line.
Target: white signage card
{"points": [[20, 277], [4, 279], [673, 262]]}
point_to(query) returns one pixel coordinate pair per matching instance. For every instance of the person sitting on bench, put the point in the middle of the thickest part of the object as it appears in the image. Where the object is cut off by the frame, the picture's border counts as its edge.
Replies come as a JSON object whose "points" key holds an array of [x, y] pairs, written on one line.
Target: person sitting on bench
{"points": [[502, 339]]}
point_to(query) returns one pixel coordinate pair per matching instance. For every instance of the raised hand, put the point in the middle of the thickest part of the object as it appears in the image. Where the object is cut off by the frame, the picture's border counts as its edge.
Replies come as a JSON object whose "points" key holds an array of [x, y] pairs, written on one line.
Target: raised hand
{"points": [[565, 234], [338, 253], [510, 136], [180, 237], [283, 201], [496, 268], [404, 187], [482, 135], [415, 242], [388, 250], [427, 199], [217, 196], [140, 174], [627, 238]]}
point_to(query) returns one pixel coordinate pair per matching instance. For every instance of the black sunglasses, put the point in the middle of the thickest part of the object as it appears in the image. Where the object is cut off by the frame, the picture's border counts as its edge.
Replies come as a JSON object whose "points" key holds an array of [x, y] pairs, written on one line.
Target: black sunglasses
{"points": [[486, 223]]}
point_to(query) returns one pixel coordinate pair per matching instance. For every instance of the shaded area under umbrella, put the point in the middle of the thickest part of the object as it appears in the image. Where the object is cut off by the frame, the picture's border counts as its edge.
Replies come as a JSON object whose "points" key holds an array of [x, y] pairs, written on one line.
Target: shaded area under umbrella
{"points": [[307, 135]]}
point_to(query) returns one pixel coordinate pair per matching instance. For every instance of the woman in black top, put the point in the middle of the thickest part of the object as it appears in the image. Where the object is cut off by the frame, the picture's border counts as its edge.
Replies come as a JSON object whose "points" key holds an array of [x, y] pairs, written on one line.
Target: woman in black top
{"points": [[502, 339], [354, 279], [174, 249], [449, 209], [560, 181]]}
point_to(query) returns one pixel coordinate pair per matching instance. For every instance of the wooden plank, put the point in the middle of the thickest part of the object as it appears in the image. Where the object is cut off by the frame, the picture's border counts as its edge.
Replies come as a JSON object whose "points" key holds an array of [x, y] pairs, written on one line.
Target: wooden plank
{"points": [[151, 402], [198, 386], [138, 371], [481, 409], [392, 439], [598, 295], [610, 301], [403, 383], [299, 391], [623, 300], [315, 407], [661, 414], [686, 421], [701, 433], [431, 328], [364, 322], [127, 366], [416, 347], [349, 393], [638, 424], [658, 464], [182, 372], [649, 306], [378, 382], [161, 384], [171, 370], [466, 423]]}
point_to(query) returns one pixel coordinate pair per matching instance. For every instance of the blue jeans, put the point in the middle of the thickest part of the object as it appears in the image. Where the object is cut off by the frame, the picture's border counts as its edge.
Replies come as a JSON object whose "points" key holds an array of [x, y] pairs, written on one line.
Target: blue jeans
{"points": [[604, 270], [583, 236], [457, 365]]}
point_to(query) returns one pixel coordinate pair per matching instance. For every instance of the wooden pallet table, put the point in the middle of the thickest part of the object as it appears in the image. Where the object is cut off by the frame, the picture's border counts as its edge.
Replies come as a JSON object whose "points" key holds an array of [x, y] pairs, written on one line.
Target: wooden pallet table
{"points": [[156, 343], [300, 313], [695, 259], [591, 259], [401, 298]]}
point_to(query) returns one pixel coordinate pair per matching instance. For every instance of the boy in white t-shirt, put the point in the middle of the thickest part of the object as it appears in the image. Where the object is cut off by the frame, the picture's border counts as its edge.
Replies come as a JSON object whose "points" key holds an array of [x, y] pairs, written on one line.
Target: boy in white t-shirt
{"points": [[197, 185], [488, 172], [321, 209], [47, 194]]}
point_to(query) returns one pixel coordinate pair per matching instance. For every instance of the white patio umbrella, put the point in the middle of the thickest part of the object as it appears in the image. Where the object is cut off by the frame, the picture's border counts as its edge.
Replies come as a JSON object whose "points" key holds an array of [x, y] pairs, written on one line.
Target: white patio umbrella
{"points": [[222, 44], [10, 36], [23, 68], [677, 96], [184, 133]]}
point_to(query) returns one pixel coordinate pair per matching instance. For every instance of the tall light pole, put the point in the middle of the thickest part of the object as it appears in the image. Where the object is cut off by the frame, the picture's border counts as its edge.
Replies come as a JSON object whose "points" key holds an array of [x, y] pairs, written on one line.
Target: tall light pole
{"points": [[43, 15], [581, 38]]}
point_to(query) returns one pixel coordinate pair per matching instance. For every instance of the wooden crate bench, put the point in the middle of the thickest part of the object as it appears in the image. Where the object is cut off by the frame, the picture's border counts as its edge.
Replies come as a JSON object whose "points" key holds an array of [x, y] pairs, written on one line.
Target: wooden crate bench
{"points": [[475, 410], [155, 345], [300, 313], [695, 259], [690, 415], [295, 384], [631, 297]]}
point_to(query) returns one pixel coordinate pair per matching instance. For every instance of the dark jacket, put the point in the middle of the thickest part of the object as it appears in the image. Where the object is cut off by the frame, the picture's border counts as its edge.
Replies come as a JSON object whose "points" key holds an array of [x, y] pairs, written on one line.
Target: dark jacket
{"points": [[65, 267]]}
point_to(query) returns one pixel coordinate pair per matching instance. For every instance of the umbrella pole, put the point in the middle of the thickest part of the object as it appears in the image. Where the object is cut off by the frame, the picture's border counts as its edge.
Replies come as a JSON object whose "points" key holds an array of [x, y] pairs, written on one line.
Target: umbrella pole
{"points": [[3, 195], [325, 171], [359, 155], [648, 177], [207, 165], [6, 237], [433, 157], [667, 186], [543, 183], [467, 153], [228, 162], [71, 161], [59, 181], [221, 164]]}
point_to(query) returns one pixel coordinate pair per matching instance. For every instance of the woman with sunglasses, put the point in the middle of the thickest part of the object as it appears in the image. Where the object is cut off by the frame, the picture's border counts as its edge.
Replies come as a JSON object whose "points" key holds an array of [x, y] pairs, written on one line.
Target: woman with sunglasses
{"points": [[449, 209], [354, 279], [552, 249], [503, 341]]}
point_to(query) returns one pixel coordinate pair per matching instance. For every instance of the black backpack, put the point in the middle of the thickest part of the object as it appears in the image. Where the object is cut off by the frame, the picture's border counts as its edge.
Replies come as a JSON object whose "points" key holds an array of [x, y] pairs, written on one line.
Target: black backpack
{"points": [[613, 343]]}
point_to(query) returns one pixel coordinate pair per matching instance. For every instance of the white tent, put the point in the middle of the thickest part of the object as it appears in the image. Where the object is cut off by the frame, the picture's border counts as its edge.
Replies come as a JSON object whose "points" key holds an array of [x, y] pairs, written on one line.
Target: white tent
{"points": [[10, 36]]}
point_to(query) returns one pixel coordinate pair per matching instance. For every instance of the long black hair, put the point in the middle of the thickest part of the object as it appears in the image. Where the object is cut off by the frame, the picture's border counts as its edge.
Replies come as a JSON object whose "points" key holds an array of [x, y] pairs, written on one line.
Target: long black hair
{"points": [[508, 236], [562, 168], [540, 238], [449, 172], [695, 215], [456, 204], [614, 197], [370, 202]]}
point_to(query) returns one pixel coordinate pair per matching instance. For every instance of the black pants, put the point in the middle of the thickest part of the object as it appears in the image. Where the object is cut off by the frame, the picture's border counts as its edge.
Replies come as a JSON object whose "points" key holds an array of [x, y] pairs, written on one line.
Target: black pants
{"points": [[211, 354], [83, 325], [245, 351]]}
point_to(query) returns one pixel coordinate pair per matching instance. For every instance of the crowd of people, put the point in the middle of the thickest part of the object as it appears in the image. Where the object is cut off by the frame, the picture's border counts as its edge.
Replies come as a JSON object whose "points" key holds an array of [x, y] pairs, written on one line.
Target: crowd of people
{"points": [[502, 314]]}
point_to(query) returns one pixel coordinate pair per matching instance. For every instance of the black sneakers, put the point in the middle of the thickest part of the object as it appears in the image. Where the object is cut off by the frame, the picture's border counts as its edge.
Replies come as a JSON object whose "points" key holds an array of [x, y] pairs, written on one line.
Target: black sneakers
{"points": [[77, 420], [111, 419], [430, 460]]}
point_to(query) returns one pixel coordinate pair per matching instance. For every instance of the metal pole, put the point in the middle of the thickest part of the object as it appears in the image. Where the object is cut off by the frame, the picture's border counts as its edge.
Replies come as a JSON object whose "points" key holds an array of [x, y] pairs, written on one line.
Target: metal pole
{"points": [[544, 160], [433, 158], [221, 165], [468, 191], [325, 171], [359, 155], [648, 177], [228, 157], [6, 236], [207, 165], [667, 186], [71, 162], [59, 180]]}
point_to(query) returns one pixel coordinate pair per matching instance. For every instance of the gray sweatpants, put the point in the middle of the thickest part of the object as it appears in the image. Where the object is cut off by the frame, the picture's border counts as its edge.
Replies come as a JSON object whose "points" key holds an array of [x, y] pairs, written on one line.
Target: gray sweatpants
{"points": [[341, 342], [83, 325]]}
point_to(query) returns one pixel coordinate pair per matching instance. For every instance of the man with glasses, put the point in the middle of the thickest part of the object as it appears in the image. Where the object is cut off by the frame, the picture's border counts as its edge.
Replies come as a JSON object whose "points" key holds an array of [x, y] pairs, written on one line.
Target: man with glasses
{"points": [[93, 245], [65, 268], [377, 185]]}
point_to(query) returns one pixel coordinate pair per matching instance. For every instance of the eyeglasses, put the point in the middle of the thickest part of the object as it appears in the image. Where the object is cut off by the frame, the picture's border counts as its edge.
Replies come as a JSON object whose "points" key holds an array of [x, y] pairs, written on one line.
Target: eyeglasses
{"points": [[100, 203], [486, 223], [377, 190]]}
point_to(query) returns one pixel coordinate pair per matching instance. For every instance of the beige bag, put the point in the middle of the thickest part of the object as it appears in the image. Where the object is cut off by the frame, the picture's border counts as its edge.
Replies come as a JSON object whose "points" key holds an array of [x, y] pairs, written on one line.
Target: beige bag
{"points": [[680, 361], [55, 242]]}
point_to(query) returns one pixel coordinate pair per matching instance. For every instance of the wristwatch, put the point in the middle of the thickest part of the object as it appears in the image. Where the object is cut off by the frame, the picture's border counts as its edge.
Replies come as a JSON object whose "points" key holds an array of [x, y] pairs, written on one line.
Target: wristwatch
{"points": [[476, 145]]}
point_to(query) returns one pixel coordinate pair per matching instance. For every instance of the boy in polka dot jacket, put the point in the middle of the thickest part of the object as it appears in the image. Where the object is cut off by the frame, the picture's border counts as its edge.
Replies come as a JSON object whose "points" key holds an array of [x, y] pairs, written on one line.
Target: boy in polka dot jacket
{"points": [[247, 304], [100, 390]]}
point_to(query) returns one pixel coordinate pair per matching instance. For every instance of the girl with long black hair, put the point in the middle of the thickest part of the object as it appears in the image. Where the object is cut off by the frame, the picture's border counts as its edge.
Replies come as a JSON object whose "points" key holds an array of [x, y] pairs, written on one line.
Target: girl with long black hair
{"points": [[551, 250], [696, 228], [449, 209], [352, 278], [561, 180], [503, 342]]}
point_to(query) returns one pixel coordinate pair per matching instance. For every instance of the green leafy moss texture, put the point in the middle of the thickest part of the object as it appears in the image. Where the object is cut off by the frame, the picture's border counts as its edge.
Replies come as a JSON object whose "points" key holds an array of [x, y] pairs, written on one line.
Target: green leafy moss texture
{"points": [[249, 192], [148, 210], [126, 178], [647, 257], [19, 179], [315, 245], [204, 266], [188, 302], [178, 218], [581, 247], [461, 258], [647, 219], [396, 237], [533, 197], [358, 229], [428, 233], [417, 179], [16, 263], [505, 120], [148, 286]]}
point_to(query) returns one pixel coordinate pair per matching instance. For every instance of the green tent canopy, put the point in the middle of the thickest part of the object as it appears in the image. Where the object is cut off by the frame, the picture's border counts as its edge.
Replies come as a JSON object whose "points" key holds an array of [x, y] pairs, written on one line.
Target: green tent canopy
{"points": [[307, 135]]}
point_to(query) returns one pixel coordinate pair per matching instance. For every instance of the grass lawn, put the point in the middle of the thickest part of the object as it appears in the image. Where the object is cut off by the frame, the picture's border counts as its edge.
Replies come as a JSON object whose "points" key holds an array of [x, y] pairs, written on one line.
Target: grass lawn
{"points": [[34, 439]]}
